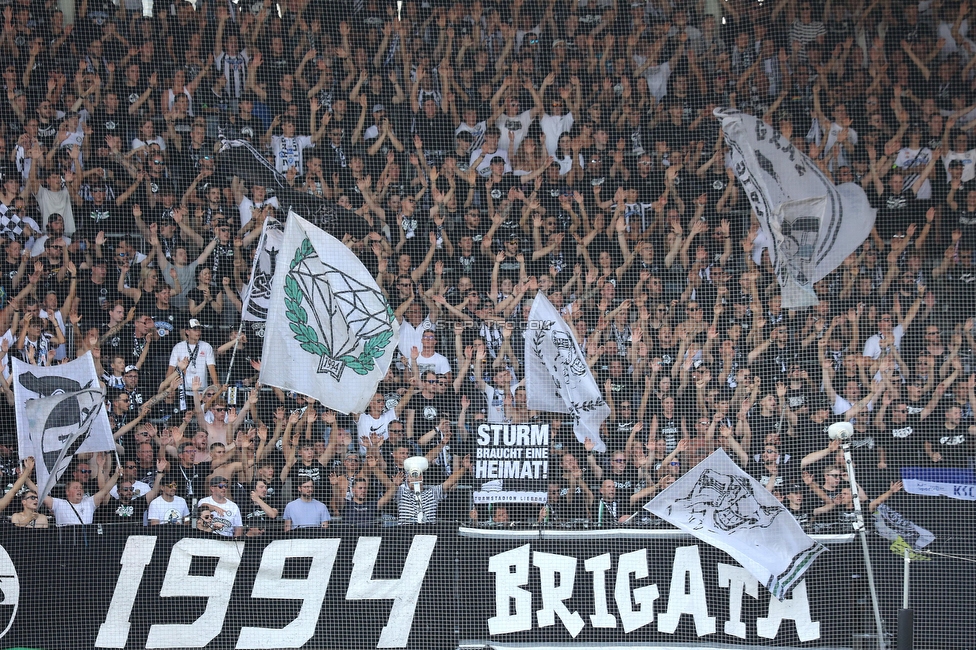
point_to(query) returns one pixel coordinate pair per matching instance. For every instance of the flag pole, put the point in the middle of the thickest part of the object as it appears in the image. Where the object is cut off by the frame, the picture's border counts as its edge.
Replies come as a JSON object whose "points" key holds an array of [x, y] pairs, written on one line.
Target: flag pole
{"points": [[233, 354], [844, 431], [254, 266]]}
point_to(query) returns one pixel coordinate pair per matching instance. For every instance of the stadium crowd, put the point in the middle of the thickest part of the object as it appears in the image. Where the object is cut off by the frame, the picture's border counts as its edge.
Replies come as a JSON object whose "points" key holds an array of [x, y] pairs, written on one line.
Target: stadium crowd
{"points": [[484, 151]]}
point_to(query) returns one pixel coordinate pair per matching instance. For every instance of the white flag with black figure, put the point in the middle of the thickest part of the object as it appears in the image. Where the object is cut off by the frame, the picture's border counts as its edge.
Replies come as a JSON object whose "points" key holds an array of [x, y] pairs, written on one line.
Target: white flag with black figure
{"points": [[257, 293], [330, 334], [557, 378], [812, 224], [717, 502], [60, 412]]}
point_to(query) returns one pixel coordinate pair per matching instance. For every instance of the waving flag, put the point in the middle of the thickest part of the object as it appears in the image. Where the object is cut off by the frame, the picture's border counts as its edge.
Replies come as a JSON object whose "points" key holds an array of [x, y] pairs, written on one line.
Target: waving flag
{"points": [[60, 412], [723, 506], [257, 293], [330, 333], [811, 223], [557, 378]]}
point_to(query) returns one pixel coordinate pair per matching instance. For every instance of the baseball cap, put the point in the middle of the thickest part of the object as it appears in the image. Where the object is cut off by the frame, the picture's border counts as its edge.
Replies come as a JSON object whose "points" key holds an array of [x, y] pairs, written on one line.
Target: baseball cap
{"points": [[217, 479], [194, 324], [378, 107], [129, 369]]}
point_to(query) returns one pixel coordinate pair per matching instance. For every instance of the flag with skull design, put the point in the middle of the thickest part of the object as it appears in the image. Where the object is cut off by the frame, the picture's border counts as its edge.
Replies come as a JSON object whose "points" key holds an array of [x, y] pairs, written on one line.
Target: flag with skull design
{"points": [[717, 502]]}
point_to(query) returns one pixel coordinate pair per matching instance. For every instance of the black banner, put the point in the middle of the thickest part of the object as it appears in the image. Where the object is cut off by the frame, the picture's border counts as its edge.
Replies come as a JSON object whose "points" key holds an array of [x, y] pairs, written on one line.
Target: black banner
{"points": [[435, 587], [607, 588], [81, 589]]}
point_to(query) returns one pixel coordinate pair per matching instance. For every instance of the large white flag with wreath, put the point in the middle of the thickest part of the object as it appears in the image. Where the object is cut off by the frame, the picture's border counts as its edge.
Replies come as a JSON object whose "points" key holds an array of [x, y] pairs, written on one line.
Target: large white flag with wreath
{"points": [[331, 333]]}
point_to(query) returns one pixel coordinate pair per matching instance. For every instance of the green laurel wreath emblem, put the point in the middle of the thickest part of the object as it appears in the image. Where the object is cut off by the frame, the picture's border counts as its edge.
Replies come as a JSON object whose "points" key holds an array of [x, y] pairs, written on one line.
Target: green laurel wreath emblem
{"points": [[308, 338]]}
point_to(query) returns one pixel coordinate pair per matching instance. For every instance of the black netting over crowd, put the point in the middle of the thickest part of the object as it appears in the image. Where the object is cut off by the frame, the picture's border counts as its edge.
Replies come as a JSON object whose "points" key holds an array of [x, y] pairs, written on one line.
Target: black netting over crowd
{"points": [[473, 154]]}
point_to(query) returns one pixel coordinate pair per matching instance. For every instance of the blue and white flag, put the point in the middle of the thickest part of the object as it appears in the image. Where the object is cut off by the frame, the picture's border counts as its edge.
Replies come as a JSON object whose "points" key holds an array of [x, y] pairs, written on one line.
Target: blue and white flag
{"points": [[557, 378], [812, 224], [940, 481], [717, 502], [330, 334], [60, 412]]}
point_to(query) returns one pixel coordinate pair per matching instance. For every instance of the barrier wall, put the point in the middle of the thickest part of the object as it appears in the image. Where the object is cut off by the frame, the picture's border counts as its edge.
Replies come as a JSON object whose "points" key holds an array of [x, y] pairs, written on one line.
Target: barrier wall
{"points": [[425, 587]]}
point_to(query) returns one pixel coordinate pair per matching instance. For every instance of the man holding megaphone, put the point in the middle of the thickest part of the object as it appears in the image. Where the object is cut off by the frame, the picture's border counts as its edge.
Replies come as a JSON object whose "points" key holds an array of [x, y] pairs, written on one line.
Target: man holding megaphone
{"points": [[417, 504]]}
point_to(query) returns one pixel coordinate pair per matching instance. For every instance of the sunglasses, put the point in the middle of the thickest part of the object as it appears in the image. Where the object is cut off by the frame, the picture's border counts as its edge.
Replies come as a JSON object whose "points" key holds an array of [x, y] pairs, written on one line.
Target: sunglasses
{"points": [[170, 485], [222, 486], [30, 497]]}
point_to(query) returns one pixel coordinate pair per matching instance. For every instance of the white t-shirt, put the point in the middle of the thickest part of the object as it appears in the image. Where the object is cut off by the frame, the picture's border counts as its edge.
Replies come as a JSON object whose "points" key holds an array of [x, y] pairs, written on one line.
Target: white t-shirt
{"points": [[496, 405], [231, 518], [554, 126], [65, 515], [513, 130], [60, 202], [288, 152], [168, 512], [410, 336], [203, 356], [484, 167], [477, 133], [62, 350], [367, 425], [139, 489], [874, 345], [436, 362], [656, 76], [247, 206]]}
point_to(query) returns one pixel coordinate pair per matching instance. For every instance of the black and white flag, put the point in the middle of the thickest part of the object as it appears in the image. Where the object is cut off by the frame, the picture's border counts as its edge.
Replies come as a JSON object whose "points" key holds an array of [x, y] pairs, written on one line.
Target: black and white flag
{"points": [[557, 378], [905, 534], [717, 502], [812, 224], [257, 293], [60, 412]]}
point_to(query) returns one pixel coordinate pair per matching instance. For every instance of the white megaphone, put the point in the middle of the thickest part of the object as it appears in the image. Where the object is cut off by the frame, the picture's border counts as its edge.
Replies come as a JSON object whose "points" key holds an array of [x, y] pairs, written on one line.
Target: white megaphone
{"points": [[414, 467], [840, 431]]}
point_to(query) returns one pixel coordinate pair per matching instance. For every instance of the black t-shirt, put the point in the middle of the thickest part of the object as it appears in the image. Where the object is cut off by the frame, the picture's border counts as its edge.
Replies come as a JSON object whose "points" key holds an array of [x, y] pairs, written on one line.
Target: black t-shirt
{"points": [[953, 444], [316, 472], [253, 516], [895, 211], [91, 218], [669, 428], [761, 426], [116, 512], [356, 514], [207, 316], [7, 273], [902, 442], [104, 124], [429, 411], [191, 483], [221, 262]]}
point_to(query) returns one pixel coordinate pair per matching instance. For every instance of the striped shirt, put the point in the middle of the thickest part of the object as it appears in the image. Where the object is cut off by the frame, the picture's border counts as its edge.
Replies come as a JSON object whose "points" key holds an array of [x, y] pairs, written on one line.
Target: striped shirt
{"points": [[407, 503]]}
